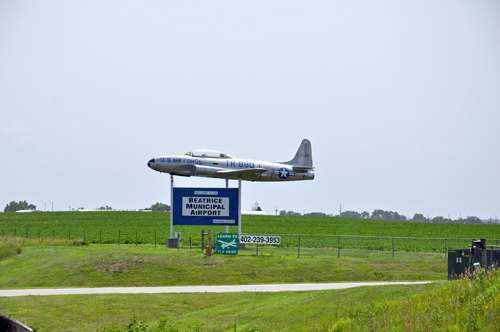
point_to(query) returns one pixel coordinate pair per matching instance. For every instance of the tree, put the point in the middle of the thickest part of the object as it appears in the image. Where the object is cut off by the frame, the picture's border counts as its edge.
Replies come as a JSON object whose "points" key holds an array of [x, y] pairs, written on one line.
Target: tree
{"points": [[418, 217], [159, 207], [256, 207], [105, 208], [350, 214], [16, 206], [387, 215], [289, 213], [473, 220], [317, 214]]}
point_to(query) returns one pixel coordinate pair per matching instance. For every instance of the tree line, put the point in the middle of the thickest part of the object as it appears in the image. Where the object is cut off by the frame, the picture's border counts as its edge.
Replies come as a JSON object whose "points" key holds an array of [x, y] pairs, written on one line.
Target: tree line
{"points": [[17, 206], [379, 214]]}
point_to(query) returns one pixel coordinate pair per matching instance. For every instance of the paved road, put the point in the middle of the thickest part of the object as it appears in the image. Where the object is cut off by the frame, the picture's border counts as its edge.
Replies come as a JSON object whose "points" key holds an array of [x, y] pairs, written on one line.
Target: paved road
{"points": [[197, 289]]}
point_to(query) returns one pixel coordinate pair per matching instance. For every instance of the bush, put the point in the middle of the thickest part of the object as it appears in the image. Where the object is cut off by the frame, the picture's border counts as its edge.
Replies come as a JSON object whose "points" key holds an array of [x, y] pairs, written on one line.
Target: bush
{"points": [[9, 249]]}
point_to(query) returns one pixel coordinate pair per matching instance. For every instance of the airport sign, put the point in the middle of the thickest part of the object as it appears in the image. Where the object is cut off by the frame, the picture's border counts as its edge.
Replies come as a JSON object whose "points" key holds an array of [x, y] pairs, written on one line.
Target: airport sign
{"points": [[205, 206], [227, 243]]}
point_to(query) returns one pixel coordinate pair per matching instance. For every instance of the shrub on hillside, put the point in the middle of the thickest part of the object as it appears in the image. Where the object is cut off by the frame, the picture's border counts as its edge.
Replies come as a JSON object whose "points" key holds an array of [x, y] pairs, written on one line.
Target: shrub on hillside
{"points": [[9, 249]]}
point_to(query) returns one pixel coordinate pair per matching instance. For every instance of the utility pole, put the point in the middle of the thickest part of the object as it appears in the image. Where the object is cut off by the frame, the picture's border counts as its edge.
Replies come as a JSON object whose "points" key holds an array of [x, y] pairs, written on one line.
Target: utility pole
{"points": [[340, 210], [276, 211]]}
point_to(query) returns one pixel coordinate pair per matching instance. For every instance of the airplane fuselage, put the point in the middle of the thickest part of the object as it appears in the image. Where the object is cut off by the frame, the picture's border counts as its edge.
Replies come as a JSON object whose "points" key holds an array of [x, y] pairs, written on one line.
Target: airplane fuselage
{"points": [[184, 165], [215, 164]]}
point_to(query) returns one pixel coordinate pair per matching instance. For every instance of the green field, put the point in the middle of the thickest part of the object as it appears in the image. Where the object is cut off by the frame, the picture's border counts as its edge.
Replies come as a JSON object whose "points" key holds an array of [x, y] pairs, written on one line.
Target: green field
{"points": [[59, 257], [126, 227], [462, 305]]}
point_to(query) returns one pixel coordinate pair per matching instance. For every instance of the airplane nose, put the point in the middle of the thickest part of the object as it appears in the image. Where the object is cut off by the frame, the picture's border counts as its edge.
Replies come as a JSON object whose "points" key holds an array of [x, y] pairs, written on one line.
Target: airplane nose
{"points": [[152, 161]]}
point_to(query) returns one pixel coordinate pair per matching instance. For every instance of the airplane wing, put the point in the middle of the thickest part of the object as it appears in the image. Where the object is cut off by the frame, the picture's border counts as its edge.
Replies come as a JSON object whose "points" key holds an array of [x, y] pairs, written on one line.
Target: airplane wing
{"points": [[246, 174]]}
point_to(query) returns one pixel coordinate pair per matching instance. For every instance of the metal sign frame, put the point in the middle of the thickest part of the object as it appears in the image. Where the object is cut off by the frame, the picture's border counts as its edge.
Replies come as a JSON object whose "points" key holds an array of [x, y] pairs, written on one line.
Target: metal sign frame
{"points": [[205, 206], [172, 207]]}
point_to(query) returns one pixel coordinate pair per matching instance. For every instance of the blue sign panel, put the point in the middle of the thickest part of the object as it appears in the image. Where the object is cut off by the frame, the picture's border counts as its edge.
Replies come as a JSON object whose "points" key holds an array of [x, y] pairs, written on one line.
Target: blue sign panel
{"points": [[205, 206]]}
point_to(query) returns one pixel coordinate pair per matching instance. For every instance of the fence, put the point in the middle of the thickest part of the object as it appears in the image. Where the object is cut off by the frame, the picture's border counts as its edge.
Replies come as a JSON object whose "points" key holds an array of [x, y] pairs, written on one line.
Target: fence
{"points": [[337, 245], [300, 245], [491, 258]]}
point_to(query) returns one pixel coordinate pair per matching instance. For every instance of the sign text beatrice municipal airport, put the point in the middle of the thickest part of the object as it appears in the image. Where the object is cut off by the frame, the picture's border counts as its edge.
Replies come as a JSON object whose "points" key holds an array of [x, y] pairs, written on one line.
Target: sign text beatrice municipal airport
{"points": [[205, 206]]}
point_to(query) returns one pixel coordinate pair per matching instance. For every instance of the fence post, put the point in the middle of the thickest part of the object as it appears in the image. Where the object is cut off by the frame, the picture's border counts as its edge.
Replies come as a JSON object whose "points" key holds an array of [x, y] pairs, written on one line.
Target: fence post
{"points": [[298, 255], [491, 257], [445, 249], [190, 242], [393, 247], [339, 248], [257, 250]]}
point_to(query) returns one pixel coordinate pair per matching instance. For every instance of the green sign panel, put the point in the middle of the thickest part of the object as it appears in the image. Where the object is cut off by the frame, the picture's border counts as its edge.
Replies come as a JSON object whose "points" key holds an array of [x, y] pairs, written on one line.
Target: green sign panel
{"points": [[227, 243]]}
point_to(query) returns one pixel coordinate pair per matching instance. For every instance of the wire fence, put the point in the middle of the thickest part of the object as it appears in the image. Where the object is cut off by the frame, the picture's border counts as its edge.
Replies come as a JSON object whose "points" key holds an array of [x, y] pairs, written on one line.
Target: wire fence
{"points": [[490, 259], [337, 245], [299, 245]]}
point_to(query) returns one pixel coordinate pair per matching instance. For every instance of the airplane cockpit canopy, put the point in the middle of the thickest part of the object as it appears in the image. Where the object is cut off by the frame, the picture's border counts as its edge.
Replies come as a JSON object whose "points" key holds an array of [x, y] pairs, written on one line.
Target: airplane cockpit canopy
{"points": [[208, 154]]}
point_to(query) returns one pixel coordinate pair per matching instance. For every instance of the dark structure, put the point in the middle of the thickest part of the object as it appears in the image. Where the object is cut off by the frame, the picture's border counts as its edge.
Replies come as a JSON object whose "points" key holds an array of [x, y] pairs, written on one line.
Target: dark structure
{"points": [[458, 263], [8, 324]]}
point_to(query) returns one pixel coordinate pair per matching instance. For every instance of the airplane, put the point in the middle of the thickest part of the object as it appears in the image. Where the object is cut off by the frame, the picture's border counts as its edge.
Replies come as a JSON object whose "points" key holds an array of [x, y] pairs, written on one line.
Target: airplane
{"points": [[224, 245], [215, 164]]}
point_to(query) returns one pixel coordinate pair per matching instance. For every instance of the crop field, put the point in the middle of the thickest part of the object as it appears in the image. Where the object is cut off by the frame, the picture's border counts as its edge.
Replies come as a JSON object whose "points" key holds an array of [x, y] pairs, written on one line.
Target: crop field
{"points": [[130, 227]]}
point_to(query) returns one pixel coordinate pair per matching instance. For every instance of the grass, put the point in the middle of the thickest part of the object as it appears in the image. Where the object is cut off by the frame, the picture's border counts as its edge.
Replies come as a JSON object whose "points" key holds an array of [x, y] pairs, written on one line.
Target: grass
{"points": [[283, 311], [141, 227], [9, 249], [53, 254], [461, 305], [128, 265]]}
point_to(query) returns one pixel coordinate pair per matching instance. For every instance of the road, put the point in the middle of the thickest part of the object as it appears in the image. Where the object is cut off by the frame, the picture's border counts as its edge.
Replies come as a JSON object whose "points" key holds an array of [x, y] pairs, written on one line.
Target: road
{"points": [[197, 289]]}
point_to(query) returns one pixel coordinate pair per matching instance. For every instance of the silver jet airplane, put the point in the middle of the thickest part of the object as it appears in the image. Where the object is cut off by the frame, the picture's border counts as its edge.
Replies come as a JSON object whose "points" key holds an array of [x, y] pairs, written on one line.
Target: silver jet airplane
{"points": [[215, 164]]}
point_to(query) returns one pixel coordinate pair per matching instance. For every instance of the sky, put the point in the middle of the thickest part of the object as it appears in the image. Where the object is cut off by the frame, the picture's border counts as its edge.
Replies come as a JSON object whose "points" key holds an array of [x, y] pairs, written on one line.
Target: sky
{"points": [[400, 100]]}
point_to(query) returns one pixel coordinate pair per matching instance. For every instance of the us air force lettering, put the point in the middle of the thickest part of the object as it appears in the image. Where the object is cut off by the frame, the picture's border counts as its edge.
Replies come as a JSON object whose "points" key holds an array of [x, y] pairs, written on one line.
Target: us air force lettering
{"points": [[215, 164]]}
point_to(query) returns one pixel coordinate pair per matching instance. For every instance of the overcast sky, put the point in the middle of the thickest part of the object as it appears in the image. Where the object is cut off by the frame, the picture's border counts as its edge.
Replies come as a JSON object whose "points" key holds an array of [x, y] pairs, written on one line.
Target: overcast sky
{"points": [[400, 100]]}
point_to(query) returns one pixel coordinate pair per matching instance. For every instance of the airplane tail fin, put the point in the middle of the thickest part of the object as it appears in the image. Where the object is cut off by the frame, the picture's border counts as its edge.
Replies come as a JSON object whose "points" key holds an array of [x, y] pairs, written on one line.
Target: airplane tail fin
{"points": [[303, 157]]}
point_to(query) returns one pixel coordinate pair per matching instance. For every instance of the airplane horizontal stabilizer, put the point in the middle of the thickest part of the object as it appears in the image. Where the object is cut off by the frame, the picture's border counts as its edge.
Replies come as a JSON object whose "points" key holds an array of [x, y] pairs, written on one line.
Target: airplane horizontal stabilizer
{"points": [[302, 169]]}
